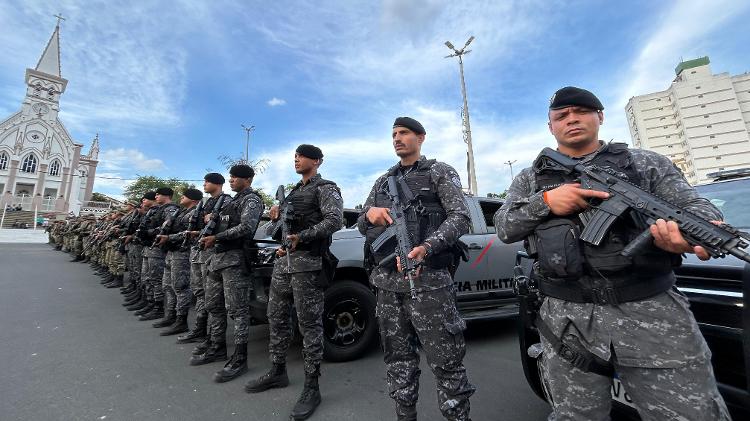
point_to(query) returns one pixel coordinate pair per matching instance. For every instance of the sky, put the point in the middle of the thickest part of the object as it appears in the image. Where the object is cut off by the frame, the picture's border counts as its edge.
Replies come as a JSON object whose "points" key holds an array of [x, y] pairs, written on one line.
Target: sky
{"points": [[167, 85]]}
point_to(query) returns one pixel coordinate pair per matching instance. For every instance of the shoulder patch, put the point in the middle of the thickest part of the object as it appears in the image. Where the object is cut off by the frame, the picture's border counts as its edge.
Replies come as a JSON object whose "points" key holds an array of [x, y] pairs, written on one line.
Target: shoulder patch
{"points": [[456, 180], [335, 194]]}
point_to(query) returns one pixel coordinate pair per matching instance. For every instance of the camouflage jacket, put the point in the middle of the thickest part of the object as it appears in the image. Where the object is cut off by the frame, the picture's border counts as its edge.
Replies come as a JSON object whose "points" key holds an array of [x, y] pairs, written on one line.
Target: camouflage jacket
{"points": [[332, 207], [656, 332], [455, 225], [251, 208]]}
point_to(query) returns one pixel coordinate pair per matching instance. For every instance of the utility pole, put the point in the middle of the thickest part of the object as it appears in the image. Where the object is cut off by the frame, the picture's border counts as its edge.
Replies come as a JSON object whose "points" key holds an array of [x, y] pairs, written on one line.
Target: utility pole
{"points": [[510, 164], [247, 142], [465, 113]]}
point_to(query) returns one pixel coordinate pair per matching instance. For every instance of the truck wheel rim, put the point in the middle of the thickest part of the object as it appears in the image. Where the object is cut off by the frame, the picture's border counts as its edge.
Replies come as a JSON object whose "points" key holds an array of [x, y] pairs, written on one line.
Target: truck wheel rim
{"points": [[345, 323]]}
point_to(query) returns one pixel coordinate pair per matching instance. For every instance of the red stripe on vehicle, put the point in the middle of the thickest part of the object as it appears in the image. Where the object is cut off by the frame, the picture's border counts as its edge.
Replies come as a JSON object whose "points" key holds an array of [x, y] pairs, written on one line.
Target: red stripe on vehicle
{"points": [[481, 255]]}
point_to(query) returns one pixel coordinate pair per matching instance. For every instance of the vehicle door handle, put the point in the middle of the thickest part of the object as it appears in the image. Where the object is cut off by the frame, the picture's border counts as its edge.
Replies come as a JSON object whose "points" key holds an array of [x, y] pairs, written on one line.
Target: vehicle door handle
{"points": [[475, 246]]}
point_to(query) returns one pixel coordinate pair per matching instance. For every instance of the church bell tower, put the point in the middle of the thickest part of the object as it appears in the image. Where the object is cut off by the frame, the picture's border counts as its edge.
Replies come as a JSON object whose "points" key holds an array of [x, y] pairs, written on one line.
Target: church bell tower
{"points": [[45, 84]]}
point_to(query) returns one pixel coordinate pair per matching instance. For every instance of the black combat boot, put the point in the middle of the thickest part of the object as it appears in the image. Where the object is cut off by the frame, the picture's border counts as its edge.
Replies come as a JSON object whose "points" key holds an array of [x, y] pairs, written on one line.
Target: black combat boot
{"points": [[117, 283], [127, 289], [77, 258], [132, 298], [145, 309], [180, 325], [309, 400], [107, 278], [406, 413], [168, 319], [235, 367], [157, 312], [275, 378], [138, 305], [215, 352], [203, 346], [198, 333]]}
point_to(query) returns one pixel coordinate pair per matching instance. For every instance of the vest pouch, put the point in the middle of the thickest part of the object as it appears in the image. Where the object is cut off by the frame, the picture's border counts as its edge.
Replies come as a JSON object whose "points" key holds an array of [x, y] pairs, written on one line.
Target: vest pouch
{"points": [[558, 249], [606, 258]]}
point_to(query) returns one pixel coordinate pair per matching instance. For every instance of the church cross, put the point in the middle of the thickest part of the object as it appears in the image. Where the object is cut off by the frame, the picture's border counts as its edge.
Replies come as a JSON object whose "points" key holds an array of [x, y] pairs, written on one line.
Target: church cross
{"points": [[59, 18]]}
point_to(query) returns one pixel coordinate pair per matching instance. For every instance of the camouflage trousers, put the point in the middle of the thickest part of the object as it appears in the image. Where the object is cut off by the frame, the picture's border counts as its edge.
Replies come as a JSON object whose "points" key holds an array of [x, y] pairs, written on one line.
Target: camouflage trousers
{"points": [[152, 272], [115, 260], [688, 392], [228, 293], [176, 282], [432, 321], [301, 291], [198, 273], [77, 246], [135, 262]]}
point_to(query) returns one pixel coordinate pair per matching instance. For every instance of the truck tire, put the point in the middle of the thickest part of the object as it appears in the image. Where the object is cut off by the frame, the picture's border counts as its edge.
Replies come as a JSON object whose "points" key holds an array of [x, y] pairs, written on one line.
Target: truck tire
{"points": [[349, 325]]}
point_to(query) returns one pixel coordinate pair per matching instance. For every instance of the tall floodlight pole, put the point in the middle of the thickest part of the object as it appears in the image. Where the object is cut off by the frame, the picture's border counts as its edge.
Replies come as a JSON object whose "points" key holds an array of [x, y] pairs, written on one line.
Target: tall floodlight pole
{"points": [[466, 124], [247, 142], [510, 164]]}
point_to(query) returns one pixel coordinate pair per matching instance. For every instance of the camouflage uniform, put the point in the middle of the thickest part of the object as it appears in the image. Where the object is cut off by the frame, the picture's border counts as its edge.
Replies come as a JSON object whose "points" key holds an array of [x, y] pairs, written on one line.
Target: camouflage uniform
{"points": [[152, 271], [298, 284], [228, 285], [177, 269], [199, 269], [432, 319], [655, 344]]}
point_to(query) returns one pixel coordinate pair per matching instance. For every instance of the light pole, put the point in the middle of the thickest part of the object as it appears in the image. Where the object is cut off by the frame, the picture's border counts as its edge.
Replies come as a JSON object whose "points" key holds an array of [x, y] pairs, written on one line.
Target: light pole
{"points": [[247, 142], [510, 164], [466, 124]]}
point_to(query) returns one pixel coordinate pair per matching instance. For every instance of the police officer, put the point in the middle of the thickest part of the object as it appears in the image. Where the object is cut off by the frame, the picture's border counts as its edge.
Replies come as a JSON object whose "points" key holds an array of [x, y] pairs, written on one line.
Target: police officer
{"points": [[437, 217], [300, 275], [134, 256], [602, 310], [177, 265], [229, 273], [213, 184], [153, 257], [146, 210]]}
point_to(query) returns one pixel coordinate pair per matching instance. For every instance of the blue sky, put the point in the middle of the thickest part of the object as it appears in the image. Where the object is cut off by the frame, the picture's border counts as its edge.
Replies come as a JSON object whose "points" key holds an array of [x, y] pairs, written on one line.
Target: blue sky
{"points": [[167, 84]]}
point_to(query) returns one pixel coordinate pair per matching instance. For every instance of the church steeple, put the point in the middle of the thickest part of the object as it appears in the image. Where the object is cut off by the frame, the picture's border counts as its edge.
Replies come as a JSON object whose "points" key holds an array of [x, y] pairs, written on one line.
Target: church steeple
{"points": [[49, 62]]}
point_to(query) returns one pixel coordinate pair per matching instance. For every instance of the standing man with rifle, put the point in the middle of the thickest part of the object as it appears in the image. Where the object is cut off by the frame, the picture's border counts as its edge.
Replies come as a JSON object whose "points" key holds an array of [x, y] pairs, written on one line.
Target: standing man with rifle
{"points": [[603, 310], [177, 269], [138, 301], [154, 256], [431, 207], [205, 223], [229, 273], [134, 252], [308, 216]]}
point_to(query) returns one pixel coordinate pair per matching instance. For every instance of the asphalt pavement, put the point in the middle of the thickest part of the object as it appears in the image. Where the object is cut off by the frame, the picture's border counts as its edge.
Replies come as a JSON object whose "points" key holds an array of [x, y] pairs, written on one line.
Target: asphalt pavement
{"points": [[70, 351]]}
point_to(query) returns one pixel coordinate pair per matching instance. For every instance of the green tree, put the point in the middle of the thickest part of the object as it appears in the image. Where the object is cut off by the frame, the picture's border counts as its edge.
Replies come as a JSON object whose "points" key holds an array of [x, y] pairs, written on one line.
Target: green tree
{"points": [[144, 183], [498, 195], [99, 197]]}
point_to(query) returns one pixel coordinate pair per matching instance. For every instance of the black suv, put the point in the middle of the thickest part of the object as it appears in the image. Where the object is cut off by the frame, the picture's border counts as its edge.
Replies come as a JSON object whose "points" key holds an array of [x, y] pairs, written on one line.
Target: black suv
{"points": [[718, 292]]}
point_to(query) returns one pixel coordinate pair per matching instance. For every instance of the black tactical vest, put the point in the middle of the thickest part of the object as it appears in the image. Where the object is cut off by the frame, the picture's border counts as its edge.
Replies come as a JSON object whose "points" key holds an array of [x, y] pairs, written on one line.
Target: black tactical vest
{"points": [[231, 216], [307, 213], [564, 262], [424, 214]]}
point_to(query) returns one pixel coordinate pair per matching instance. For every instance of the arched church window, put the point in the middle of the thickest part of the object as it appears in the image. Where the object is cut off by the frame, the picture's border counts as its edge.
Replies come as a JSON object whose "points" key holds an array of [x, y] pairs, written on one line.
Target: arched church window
{"points": [[54, 168], [29, 163], [3, 160]]}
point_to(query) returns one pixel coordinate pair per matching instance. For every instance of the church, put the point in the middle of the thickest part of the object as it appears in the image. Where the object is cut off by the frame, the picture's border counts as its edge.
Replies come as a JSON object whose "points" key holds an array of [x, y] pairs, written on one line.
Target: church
{"points": [[41, 167]]}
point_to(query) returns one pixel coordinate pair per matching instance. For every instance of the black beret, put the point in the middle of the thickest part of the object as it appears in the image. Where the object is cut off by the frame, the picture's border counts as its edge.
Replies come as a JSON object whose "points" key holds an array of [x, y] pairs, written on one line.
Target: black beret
{"points": [[165, 191], [215, 178], [193, 194], [310, 151], [410, 124], [150, 195], [570, 96], [242, 171]]}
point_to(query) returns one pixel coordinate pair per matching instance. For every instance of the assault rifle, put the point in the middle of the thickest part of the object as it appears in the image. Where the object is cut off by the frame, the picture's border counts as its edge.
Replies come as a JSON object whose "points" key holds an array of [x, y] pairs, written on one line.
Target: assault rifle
{"points": [[192, 225], [212, 223], [399, 230], [718, 240], [283, 225], [166, 226]]}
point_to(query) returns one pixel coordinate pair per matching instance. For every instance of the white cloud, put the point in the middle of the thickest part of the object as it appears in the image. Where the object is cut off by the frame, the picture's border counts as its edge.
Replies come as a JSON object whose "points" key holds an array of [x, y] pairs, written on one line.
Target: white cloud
{"points": [[682, 33], [275, 102], [128, 160]]}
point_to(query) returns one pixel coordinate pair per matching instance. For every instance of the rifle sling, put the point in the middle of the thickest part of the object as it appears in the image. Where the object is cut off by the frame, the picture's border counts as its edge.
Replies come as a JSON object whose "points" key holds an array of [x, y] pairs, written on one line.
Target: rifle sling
{"points": [[579, 358]]}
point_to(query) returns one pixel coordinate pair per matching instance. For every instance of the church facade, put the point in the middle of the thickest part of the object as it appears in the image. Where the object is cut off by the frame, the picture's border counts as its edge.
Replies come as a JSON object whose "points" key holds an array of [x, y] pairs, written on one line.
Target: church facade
{"points": [[41, 167]]}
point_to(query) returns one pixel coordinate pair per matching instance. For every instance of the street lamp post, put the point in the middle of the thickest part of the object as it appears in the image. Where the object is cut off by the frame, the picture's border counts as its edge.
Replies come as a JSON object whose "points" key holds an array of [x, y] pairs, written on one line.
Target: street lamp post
{"points": [[247, 142], [466, 123], [510, 164]]}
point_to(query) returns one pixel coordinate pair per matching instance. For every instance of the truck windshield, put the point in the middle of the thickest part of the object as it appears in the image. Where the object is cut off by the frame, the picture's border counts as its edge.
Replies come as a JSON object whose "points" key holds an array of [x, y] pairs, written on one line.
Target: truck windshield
{"points": [[732, 198]]}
